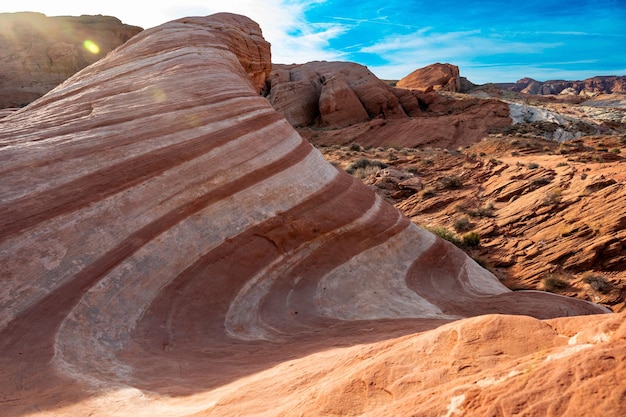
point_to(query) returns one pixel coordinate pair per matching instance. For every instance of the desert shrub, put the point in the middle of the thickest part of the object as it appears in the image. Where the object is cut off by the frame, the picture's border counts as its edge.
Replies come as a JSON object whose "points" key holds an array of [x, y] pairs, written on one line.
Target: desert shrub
{"points": [[484, 211], [355, 147], [462, 224], [616, 150], [532, 165], [428, 161], [597, 283], [451, 182], [427, 192], [553, 283], [363, 163], [446, 234], [562, 164], [540, 181], [552, 197], [471, 239], [363, 173]]}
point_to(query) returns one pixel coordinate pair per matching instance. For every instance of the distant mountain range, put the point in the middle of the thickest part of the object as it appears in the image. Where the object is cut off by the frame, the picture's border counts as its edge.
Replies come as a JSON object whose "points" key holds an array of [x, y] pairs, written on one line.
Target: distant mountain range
{"points": [[589, 86]]}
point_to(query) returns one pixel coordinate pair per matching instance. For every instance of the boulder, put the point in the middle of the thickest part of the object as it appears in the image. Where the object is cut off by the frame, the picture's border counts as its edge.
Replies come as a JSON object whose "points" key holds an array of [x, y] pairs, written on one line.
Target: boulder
{"points": [[435, 77]]}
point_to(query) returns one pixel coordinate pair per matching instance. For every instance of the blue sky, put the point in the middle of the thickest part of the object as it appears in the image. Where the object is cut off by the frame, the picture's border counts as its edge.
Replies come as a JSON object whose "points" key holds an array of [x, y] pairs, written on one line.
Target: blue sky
{"points": [[490, 41]]}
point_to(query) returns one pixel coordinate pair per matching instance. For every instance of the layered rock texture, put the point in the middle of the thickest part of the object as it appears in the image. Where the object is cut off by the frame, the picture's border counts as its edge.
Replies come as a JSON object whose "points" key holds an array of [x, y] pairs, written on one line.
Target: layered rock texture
{"points": [[169, 245], [343, 102], [549, 216], [38, 52]]}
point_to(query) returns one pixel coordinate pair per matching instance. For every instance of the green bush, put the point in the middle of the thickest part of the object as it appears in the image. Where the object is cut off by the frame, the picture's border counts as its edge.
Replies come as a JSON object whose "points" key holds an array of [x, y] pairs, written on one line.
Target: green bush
{"points": [[471, 239], [446, 234]]}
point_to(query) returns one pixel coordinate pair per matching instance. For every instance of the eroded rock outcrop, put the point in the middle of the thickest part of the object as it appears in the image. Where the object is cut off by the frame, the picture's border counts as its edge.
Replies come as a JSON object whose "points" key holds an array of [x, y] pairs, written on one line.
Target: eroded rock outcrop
{"points": [[331, 94], [38, 52], [343, 102], [169, 245], [434, 77]]}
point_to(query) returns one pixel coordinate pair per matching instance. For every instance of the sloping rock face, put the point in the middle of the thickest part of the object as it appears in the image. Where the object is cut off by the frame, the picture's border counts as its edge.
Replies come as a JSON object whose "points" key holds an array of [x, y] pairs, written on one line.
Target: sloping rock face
{"points": [[169, 245], [589, 86], [435, 77], [38, 52]]}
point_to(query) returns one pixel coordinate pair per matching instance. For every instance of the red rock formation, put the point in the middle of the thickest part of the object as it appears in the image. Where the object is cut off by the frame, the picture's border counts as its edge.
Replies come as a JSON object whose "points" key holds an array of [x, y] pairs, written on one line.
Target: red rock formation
{"points": [[435, 77], [169, 245], [38, 52], [589, 86], [351, 104], [351, 94]]}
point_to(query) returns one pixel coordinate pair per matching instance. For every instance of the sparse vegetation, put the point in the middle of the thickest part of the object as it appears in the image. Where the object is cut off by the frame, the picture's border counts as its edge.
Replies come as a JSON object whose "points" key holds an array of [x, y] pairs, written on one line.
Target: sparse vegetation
{"points": [[462, 224], [553, 283], [471, 239], [446, 234], [532, 165], [451, 182], [427, 192], [597, 283], [539, 181], [552, 197], [365, 163]]}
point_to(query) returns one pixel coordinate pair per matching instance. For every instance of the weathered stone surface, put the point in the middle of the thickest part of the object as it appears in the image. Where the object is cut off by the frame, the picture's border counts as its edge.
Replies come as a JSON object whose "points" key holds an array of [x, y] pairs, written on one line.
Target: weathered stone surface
{"points": [[169, 245], [435, 77], [39, 52], [350, 93], [339, 105]]}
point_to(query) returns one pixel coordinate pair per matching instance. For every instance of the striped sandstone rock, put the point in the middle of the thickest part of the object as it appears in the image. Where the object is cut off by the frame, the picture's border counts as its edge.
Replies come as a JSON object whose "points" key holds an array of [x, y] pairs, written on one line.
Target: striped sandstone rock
{"points": [[169, 245]]}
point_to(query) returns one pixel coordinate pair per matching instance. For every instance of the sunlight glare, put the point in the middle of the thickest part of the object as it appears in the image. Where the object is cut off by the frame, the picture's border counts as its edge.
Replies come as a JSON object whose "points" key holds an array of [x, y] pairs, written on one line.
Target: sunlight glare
{"points": [[91, 46]]}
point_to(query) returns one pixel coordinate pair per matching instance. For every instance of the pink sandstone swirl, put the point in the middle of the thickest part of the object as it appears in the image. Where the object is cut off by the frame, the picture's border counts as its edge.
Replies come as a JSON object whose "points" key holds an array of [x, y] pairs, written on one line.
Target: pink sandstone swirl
{"points": [[169, 245]]}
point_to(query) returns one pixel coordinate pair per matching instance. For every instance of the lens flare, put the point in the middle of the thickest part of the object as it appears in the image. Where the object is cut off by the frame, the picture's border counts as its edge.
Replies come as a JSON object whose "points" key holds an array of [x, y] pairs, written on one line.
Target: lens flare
{"points": [[91, 46]]}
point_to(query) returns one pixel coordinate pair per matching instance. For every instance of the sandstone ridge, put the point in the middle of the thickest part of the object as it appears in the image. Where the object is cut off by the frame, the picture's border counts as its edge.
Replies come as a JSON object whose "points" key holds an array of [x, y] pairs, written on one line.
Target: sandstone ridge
{"points": [[169, 245]]}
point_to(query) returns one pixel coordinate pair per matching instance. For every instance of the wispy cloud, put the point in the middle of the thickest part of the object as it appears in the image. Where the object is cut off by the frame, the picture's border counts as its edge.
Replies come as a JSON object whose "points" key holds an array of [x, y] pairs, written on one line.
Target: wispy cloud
{"points": [[406, 53]]}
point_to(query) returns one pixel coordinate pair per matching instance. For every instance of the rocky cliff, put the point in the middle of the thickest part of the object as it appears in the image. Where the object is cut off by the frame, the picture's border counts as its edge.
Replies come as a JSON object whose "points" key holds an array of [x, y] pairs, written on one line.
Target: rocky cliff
{"points": [[169, 245], [39, 52]]}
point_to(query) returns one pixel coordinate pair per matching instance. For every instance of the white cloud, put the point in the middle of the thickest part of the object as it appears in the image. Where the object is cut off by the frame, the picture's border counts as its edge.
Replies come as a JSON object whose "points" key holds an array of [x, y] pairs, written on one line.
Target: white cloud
{"points": [[405, 53], [283, 21]]}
